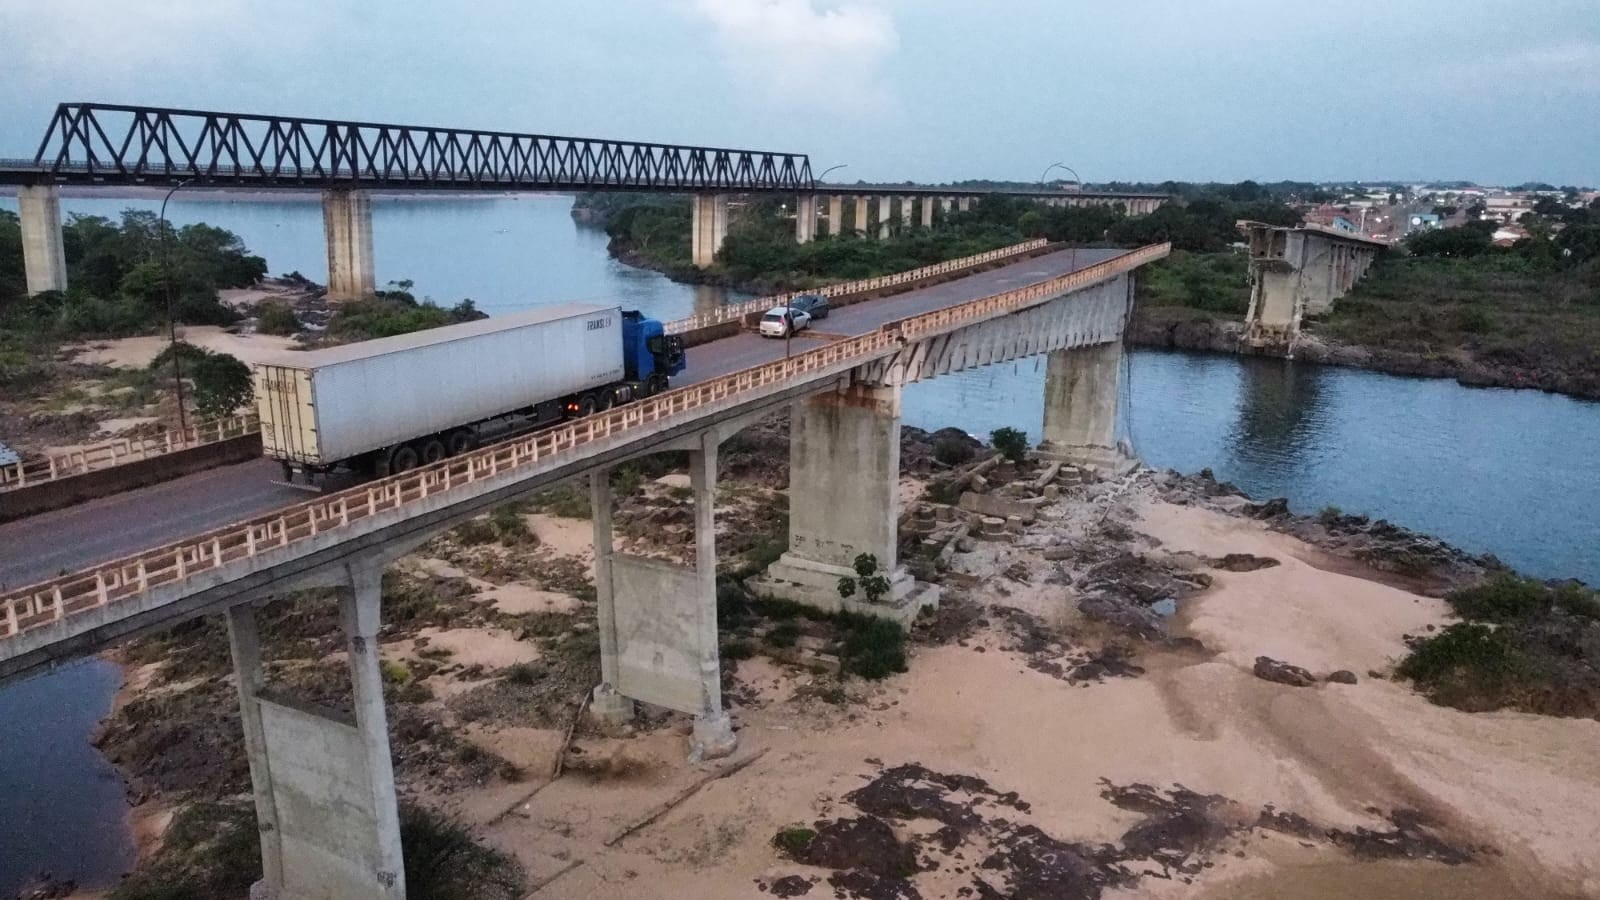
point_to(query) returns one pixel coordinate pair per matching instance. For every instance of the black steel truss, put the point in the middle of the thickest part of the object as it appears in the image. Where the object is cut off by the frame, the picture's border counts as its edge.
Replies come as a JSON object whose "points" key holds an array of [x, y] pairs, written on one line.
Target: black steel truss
{"points": [[93, 143]]}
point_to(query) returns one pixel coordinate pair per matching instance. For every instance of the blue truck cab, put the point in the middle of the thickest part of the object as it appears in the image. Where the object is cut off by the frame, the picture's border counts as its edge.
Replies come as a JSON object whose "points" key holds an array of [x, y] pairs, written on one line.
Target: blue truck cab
{"points": [[650, 355]]}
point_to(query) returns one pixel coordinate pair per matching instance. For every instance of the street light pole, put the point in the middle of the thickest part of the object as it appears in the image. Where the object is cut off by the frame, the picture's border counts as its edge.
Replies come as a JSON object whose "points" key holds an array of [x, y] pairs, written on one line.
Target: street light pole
{"points": [[830, 169], [172, 322], [1073, 259]]}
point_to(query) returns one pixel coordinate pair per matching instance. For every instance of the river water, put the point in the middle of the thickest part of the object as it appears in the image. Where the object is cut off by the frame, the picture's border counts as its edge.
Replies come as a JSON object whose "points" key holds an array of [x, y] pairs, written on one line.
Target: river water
{"points": [[1514, 473]]}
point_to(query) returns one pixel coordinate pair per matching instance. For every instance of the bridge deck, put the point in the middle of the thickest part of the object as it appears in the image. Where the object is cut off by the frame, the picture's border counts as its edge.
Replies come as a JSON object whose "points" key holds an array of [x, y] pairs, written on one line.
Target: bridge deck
{"points": [[41, 546]]}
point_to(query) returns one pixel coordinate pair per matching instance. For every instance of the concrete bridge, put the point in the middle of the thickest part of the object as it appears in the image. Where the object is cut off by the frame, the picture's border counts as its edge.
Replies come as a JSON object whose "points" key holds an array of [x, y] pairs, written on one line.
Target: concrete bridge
{"points": [[876, 210], [110, 145], [323, 784], [1296, 272]]}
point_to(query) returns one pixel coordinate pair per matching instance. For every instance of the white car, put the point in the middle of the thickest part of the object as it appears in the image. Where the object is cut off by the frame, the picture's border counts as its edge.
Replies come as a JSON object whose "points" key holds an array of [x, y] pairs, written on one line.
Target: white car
{"points": [[776, 323]]}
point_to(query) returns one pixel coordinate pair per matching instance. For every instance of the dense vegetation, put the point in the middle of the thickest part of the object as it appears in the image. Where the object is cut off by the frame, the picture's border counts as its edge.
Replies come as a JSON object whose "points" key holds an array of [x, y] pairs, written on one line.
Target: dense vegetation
{"points": [[1535, 305], [117, 285], [761, 251], [117, 276], [214, 850], [391, 312], [1521, 644]]}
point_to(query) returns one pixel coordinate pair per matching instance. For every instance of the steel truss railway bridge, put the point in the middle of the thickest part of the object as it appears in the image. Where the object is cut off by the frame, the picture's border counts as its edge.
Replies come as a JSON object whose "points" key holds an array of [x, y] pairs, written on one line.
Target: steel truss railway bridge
{"points": [[98, 145]]}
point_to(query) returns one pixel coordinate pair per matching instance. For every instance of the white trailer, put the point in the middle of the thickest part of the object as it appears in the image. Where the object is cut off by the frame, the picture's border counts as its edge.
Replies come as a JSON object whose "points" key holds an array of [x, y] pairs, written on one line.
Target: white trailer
{"points": [[389, 404]]}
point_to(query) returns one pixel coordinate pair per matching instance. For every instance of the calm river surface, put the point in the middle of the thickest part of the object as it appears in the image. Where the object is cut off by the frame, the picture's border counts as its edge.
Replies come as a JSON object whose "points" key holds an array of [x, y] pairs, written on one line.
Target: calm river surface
{"points": [[1514, 473]]}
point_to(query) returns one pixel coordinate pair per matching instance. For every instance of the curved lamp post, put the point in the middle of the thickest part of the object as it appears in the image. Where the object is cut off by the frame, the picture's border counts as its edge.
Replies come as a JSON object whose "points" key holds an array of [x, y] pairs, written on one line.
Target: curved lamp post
{"points": [[833, 227], [1073, 261], [1076, 177], [172, 324]]}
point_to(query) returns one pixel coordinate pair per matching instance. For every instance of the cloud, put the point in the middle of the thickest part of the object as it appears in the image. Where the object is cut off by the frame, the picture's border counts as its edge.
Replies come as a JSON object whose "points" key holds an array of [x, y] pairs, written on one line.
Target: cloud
{"points": [[94, 44], [1573, 65], [807, 53]]}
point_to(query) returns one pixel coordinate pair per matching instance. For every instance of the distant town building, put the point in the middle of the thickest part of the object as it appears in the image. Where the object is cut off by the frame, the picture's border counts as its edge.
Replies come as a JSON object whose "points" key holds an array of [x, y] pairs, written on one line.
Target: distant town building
{"points": [[1508, 207], [1423, 222], [1507, 235]]}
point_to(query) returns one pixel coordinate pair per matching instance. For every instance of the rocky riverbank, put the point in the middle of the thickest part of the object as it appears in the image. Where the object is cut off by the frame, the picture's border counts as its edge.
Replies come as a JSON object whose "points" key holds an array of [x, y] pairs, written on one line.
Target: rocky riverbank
{"points": [[1149, 683], [1176, 328]]}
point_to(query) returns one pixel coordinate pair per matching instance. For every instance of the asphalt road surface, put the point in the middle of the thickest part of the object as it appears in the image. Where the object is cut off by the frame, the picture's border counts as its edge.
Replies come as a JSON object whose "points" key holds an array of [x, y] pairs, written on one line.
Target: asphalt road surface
{"points": [[47, 545]]}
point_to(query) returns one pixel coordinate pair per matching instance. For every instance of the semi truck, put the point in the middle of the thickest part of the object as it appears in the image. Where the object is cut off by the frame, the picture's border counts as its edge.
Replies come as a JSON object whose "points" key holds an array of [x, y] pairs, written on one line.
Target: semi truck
{"points": [[383, 406]]}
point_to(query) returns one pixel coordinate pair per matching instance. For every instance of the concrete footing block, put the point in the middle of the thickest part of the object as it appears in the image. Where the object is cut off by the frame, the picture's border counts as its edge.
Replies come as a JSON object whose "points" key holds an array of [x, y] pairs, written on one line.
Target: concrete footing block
{"points": [[713, 737], [1110, 460], [609, 707], [817, 585]]}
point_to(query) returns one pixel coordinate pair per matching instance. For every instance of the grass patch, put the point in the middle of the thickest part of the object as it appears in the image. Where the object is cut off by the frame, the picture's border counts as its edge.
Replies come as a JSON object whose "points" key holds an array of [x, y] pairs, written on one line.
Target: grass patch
{"points": [[444, 861], [567, 500], [1212, 282], [737, 649], [872, 648], [210, 850], [794, 839], [783, 634], [1524, 645]]}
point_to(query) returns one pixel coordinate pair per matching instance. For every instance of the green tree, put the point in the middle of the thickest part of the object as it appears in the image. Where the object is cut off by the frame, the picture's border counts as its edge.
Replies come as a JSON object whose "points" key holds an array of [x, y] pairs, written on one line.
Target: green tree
{"points": [[1473, 239], [221, 385], [1012, 443], [277, 318]]}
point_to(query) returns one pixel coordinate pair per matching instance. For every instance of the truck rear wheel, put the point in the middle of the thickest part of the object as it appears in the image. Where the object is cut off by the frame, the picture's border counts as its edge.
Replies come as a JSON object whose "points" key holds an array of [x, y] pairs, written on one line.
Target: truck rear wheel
{"points": [[460, 441], [402, 459], [587, 404], [655, 384], [432, 451]]}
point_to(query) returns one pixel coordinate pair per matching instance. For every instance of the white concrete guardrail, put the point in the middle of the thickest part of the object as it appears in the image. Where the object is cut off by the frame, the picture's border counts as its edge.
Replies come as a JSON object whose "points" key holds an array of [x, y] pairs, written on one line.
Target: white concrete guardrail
{"points": [[120, 451], [762, 304], [125, 450], [120, 580]]}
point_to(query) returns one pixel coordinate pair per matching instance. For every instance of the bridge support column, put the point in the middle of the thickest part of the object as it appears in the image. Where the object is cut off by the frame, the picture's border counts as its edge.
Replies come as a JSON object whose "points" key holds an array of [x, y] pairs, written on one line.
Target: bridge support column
{"points": [[1081, 390], [835, 215], [885, 209], [608, 705], [347, 223], [713, 729], [323, 781], [805, 218], [658, 621], [844, 477], [963, 204], [44, 260], [944, 205], [927, 212], [360, 609], [905, 212], [861, 204], [708, 228], [245, 643]]}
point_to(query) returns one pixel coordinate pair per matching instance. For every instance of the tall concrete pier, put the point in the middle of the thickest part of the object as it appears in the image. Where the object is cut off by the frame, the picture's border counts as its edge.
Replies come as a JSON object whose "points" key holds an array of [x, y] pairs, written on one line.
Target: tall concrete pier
{"points": [[44, 258], [844, 497], [708, 228], [323, 782], [1296, 272], [347, 222], [805, 218], [1081, 389], [658, 620], [836, 215]]}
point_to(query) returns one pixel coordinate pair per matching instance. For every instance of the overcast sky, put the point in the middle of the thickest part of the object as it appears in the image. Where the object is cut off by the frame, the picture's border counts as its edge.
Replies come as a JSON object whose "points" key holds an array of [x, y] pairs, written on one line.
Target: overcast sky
{"points": [[1496, 91]]}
